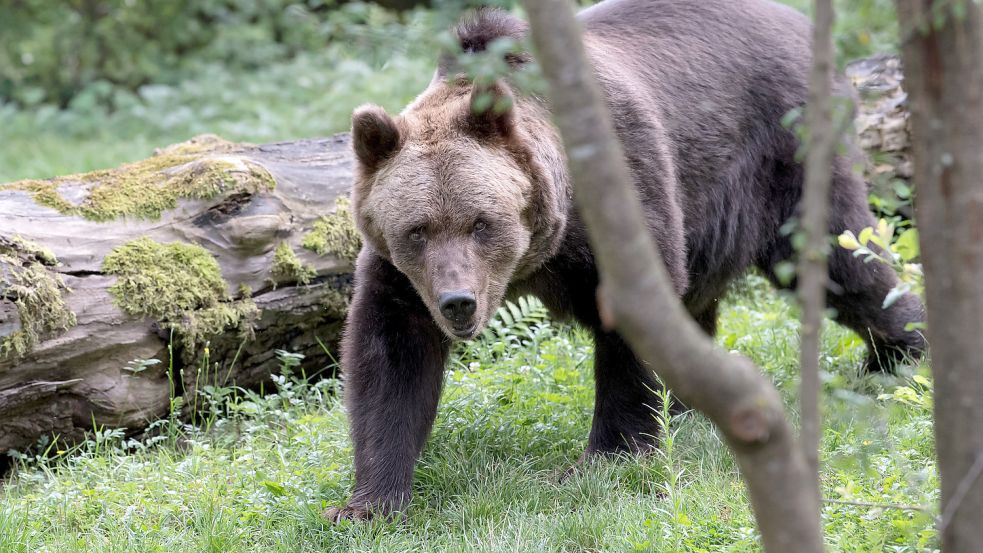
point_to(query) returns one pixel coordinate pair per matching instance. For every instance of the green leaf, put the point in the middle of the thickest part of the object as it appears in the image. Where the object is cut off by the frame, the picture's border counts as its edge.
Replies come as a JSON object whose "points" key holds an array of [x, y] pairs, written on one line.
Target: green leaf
{"points": [[502, 105], [907, 245], [503, 314], [922, 380], [884, 233], [784, 272], [275, 488], [848, 241], [865, 235], [517, 314], [902, 190], [915, 326]]}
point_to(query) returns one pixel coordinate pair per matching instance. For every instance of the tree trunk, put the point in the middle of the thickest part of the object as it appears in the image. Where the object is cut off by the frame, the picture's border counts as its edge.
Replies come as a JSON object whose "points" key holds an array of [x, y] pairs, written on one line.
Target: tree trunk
{"points": [[65, 340], [942, 54], [639, 301], [812, 271], [90, 280]]}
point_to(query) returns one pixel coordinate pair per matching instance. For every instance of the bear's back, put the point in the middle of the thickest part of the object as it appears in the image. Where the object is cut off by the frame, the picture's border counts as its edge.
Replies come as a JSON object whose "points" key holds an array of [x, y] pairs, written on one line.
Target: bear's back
{"points": [[713, 68], [715, 78]]}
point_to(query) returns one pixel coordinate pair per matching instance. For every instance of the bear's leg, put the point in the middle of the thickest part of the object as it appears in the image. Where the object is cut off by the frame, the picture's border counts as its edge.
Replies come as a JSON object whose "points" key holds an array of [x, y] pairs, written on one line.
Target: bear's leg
{"points": [[393, 358], [857, 294], [707, 318], [625, 403], [857, 289]]}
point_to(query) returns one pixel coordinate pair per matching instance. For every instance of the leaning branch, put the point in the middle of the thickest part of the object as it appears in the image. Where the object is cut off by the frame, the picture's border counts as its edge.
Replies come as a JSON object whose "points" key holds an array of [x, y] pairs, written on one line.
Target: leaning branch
{"points": [[645, 310]]}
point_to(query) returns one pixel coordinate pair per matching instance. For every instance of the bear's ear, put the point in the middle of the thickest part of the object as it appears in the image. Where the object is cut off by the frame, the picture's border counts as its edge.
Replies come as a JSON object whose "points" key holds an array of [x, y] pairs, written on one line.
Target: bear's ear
{"points": [[375, 135], [491, 110]]}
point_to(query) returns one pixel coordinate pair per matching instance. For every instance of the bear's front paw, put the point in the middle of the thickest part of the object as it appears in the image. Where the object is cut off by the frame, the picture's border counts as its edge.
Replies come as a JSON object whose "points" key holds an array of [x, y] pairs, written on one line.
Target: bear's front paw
{"points": [[354, 513]]}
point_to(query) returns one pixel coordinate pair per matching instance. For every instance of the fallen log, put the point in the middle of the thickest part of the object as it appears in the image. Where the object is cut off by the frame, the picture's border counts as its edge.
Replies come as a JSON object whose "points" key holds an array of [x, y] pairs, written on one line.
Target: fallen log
{"points": [[222, 252], [207, 258]]}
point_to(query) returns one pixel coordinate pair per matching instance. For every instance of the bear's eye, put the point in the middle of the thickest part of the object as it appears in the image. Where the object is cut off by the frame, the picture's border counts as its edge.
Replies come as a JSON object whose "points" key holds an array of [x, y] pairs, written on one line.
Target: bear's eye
{"points": [[416, 235], [480, 226]]}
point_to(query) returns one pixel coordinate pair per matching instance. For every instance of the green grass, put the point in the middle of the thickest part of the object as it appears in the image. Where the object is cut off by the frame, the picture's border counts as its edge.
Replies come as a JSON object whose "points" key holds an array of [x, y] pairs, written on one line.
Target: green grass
{"points": [[516, 409], [514, 416]]}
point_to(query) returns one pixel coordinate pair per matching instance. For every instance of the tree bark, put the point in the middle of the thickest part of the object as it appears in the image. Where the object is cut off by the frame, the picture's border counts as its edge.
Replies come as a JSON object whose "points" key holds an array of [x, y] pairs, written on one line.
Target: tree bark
{"points": [[639, 300], [66, 335], [942, 54], [812, 271]]}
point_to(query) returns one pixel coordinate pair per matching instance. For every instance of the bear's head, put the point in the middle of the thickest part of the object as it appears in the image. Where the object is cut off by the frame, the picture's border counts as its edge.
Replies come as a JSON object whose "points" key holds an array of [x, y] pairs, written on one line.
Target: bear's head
{"points": [[462, 202]]}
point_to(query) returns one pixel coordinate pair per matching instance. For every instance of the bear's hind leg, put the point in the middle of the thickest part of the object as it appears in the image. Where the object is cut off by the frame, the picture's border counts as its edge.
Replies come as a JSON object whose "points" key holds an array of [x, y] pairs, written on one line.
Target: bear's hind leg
{"points": [[625, 400], [857, 290], [857, 293]]}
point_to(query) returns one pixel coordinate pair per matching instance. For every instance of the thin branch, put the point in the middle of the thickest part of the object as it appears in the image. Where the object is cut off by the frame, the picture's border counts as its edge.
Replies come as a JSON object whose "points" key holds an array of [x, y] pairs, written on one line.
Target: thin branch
{"points": [[812, 273]]}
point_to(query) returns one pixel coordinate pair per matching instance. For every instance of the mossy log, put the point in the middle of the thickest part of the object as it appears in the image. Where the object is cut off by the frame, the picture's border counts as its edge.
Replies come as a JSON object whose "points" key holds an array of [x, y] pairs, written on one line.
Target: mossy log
{"points": [[223, 252]]}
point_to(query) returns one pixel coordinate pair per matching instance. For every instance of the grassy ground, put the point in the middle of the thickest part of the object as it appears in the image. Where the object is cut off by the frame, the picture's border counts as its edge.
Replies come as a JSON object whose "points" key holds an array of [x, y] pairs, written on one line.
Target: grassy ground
{"points": [[514, 415]]}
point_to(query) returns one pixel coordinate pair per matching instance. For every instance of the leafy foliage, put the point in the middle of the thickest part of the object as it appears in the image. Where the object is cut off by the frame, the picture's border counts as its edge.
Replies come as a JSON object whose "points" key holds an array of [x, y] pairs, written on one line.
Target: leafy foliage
{"points": [[862, 28], [518, 324], [241, 79], [880, 245], [82, 53]]}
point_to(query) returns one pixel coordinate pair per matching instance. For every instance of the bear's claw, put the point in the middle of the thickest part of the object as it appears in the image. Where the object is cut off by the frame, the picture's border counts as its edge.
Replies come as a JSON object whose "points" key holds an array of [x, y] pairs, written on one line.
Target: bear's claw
{"points": [[335, 515]]}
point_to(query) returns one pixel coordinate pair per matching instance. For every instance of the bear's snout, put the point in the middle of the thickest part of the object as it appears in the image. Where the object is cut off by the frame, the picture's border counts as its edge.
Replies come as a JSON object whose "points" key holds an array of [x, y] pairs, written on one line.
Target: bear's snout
{"points": [[458, 307]]}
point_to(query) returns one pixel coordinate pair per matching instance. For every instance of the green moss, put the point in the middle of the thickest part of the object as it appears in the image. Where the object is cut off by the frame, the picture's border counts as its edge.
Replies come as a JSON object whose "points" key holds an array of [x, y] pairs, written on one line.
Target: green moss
{"points": [[336, 302], [36, 251], [36, 290], [196, 169], [179, 285], [164, 280], [203, 143], [287, 267], [198, 326], [45, 193], [335, 234]]}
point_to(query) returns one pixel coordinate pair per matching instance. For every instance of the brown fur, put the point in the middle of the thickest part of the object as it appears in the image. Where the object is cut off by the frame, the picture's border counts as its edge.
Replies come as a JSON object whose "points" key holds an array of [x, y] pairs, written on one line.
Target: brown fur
{"points": [[479, 204]]}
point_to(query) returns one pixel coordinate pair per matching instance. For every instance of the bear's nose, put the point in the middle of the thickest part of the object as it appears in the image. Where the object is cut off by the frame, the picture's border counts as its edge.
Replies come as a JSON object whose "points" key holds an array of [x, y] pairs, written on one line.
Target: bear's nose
{"points": [[457, 306]]}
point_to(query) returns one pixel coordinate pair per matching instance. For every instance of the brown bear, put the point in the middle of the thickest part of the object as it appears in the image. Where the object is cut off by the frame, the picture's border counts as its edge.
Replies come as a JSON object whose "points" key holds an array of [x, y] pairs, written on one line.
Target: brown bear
{"points": [[461, 209]]}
